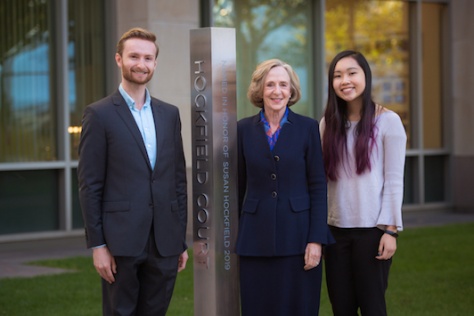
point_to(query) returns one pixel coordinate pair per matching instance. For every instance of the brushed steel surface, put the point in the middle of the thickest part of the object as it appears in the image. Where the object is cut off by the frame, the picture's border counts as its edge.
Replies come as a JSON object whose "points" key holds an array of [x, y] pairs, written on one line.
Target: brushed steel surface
{"points": [[214, 159]]}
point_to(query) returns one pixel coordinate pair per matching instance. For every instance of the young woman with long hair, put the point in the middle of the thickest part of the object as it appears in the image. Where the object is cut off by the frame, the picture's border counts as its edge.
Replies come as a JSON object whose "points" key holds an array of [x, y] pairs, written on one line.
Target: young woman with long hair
{"points": [[364, 154]]}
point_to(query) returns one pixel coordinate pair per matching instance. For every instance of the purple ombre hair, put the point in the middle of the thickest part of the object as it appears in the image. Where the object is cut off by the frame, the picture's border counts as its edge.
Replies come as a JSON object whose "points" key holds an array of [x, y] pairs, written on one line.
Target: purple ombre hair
{"points": [[336, 120]]}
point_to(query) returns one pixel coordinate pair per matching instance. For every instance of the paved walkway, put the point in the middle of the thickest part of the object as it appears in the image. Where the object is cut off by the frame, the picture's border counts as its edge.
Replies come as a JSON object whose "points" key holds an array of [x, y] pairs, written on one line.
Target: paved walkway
{"points": [[15, 255]]}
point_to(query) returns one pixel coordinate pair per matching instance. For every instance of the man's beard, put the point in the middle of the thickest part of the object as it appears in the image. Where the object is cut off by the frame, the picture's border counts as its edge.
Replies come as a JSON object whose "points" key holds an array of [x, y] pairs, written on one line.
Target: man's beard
{"points": [[129, 76]]}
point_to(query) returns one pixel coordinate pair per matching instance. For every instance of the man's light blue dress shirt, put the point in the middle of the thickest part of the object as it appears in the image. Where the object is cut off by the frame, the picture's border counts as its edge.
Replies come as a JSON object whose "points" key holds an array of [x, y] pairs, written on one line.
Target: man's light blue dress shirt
{"points": [[145, 122]]}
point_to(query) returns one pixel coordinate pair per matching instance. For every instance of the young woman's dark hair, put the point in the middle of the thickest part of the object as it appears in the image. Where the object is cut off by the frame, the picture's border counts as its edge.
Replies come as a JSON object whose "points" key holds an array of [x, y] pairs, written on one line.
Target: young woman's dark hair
{"points": [[336, 120]]}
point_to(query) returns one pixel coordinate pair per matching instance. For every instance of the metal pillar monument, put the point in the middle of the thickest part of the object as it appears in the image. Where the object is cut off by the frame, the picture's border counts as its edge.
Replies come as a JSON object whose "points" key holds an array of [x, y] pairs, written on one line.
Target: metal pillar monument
{"points": [[214, 164]]}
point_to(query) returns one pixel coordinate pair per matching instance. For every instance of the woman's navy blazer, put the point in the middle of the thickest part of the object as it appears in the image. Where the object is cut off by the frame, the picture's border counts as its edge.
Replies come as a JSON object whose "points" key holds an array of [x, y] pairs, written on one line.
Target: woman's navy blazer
{"points": [[282, 193]]}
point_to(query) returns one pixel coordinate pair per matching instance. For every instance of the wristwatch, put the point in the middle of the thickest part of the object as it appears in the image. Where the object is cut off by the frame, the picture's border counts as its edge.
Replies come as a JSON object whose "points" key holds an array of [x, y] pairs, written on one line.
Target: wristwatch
{"points": [[391, 233]]}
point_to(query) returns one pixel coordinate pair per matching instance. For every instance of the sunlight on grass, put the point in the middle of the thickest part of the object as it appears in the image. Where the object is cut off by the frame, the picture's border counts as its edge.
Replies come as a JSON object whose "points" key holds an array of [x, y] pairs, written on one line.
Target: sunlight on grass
{"points": [[432, 274]]}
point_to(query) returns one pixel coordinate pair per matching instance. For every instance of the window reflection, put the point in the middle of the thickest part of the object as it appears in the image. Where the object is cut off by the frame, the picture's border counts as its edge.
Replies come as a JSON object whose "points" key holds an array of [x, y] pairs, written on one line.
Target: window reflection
{"points": [[384, 32], [266, 30], [28, 89], [378, 29], [27, 120], [86, 61]]}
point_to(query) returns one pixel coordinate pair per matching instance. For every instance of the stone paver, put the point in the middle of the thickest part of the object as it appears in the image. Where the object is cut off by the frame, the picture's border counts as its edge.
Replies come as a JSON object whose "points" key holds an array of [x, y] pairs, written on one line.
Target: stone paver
{"points": [[14, 256]]}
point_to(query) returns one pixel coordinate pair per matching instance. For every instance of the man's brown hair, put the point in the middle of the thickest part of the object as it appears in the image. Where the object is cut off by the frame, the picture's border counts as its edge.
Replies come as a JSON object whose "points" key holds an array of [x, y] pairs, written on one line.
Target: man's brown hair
{"points": [[140, 33]]}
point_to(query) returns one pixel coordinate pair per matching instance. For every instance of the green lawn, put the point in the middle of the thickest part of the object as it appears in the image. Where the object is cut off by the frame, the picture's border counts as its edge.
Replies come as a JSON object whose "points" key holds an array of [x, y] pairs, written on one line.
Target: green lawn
{"points": [[432, 274]]}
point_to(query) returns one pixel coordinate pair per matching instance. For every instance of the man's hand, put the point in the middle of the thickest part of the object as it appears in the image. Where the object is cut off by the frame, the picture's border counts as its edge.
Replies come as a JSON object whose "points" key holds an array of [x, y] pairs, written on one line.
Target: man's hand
{"points": [[104, 263], [183, 258]]}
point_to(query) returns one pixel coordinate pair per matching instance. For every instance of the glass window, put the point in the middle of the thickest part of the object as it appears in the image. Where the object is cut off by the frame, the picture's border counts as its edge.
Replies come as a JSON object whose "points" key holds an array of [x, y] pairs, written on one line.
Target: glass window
{"points": [[27, 115], [28, 109], [77, 220], [86, 61], [264, 30], [31, 89], [411, 183], [434, 178], [379, 30], [387, 33], [28, 201]]}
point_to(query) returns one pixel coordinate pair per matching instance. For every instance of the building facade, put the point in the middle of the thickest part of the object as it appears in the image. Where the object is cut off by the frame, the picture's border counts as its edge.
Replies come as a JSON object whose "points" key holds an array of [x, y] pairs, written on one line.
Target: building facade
{"points": [[57, 56]]}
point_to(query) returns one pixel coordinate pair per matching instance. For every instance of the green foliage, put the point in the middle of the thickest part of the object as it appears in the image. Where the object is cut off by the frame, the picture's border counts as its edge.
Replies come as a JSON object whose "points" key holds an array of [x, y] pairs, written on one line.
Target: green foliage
{"points": [[432, 274]]}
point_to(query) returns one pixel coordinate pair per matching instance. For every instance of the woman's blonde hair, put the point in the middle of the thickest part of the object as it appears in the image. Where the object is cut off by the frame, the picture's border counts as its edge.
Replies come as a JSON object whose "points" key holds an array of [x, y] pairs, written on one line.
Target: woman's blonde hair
{"points": [[255, 91]]}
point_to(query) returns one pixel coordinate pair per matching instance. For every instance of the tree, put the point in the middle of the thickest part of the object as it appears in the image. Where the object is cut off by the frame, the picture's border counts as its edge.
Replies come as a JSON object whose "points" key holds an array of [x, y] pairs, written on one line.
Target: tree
{"points": [[265, 29]]}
